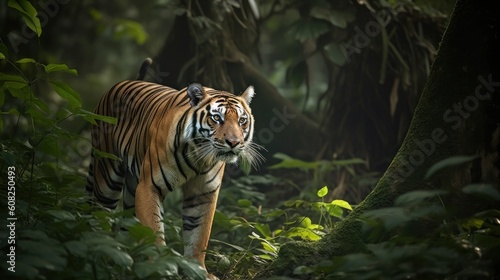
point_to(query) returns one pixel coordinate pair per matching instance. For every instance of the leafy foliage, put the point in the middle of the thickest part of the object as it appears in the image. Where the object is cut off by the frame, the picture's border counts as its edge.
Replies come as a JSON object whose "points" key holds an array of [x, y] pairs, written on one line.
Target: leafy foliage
{"points": [[257, 233], [421, 237], [28, 14]]}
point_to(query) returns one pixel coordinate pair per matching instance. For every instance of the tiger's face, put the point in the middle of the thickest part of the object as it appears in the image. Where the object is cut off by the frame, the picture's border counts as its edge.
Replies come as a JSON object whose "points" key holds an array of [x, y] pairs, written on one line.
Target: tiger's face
{"points": [[224, 126]]}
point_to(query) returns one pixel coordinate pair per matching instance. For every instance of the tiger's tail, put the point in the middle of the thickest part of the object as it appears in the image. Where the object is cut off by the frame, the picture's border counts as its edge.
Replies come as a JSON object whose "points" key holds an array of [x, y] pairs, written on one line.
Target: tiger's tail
{"points": [[144, 69]]}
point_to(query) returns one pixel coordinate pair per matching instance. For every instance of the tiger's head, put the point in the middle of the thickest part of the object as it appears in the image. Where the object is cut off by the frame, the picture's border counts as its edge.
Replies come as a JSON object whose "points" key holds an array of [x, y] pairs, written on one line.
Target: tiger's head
{"points": [[222, 126]]}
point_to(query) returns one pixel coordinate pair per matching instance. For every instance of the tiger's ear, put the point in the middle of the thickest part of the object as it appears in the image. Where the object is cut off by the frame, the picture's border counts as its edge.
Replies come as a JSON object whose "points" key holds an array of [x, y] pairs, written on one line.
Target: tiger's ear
{"points": [[248, 94], [196, 93]]}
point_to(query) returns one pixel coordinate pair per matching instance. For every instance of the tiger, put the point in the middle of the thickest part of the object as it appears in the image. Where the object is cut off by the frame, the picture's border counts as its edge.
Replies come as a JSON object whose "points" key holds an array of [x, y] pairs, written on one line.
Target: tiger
{"points": [[167, 139]]}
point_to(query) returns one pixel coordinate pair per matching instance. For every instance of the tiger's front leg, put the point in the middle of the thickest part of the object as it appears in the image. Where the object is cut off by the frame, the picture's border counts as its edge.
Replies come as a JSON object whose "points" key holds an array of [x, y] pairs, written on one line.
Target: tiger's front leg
{"points": [[149, 209], [198, 209]]}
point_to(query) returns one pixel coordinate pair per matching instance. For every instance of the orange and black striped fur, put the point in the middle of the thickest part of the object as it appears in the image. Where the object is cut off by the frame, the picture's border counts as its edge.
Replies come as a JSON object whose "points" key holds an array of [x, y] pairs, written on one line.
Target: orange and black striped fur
{"points": [[167, 139]]}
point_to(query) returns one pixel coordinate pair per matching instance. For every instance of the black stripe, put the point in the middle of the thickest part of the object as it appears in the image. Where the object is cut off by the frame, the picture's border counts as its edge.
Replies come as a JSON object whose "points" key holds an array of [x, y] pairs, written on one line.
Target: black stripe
{"points": [[103, 199], [215, 176], [178, 131], [198, 196], [191, 219], [190, 222], [187, 160], [187, 227], [165, 179], [112, 185], [158, 189], [193, 123], [159, 217], [192, 205], [249, 132]]}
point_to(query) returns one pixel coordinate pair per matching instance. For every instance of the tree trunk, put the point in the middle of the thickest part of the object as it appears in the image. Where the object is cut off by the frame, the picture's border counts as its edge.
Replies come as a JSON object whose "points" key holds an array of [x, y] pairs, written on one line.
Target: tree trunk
{"points": [[458, 114]]}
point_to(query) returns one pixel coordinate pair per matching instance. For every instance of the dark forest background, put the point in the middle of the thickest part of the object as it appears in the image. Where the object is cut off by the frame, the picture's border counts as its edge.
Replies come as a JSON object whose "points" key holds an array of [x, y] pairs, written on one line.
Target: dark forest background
{"points": [[337, 84]]}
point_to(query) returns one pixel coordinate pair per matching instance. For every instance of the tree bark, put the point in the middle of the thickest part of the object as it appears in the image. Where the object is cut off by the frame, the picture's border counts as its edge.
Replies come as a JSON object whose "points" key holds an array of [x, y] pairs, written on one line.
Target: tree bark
{"points": [[457, 114]]}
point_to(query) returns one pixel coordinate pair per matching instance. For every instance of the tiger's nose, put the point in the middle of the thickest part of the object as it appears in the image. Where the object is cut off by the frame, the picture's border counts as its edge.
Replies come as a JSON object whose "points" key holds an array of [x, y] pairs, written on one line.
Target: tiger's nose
{"points": [[232, 142]]}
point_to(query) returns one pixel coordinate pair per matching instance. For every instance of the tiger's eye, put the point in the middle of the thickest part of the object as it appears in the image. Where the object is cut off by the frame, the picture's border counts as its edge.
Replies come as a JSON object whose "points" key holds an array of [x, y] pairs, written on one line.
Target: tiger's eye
{"points": [[216, 118], [242, 120]]}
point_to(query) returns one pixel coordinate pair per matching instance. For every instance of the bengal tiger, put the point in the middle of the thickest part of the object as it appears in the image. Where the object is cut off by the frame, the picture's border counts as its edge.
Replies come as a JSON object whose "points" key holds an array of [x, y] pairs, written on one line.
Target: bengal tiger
{"points": [[167, 139]]}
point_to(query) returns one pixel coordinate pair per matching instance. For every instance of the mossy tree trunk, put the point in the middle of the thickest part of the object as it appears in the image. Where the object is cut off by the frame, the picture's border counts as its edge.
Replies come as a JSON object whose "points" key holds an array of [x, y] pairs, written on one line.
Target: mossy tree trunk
{"points": [[458, 114]]}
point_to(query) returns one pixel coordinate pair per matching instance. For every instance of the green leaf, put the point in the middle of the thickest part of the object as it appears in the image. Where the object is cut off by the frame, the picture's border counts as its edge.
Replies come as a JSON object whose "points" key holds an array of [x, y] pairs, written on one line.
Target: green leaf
{"points": [[13, 112], [244, 203], [338, 18], [303, 270], [295, 203], [77, 248], [323, 191], [192, 270], [305, 222], [145, 269], [347, 162], [263, 229], [26, 60], [328, 15], [121, 258], [308, 28], [95, 14], [46, 253], [289, 162], [451, 161], [333, 210], [3, 51], [101, 154], [415, 197], [335, 54], [270, 248], [62, 215], [274, 213], [473, 223], [130, 28], [236, 247], [28, 13], [38, 104], [139, 231], [92, 117], [68, 93], [304, 233], [484, 190], [59, 68], [391, 217], [23, 93], [342, 203], [13, 81]]}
